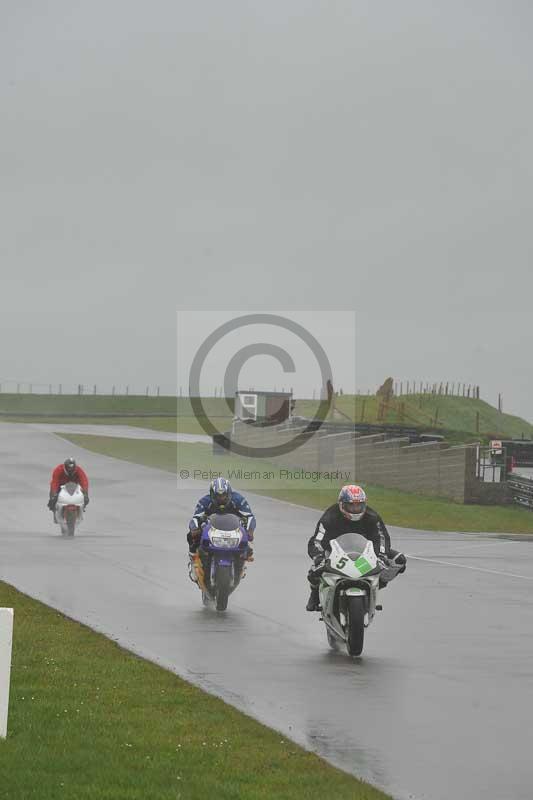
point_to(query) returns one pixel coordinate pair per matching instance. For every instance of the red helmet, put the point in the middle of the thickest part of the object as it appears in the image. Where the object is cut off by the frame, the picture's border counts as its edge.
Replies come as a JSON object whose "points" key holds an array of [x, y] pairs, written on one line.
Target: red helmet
{"points": [[352, 502]]}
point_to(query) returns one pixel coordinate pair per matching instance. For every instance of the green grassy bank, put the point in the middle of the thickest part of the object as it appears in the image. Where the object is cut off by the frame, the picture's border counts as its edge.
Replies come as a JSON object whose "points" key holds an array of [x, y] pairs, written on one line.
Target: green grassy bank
{"points": [[89, 720], [463, 419], [468, 417]]}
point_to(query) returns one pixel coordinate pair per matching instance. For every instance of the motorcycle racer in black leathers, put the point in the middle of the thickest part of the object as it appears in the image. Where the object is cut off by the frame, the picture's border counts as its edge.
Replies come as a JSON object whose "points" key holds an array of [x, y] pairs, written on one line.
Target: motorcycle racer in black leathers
{"points": [[350, 514]]}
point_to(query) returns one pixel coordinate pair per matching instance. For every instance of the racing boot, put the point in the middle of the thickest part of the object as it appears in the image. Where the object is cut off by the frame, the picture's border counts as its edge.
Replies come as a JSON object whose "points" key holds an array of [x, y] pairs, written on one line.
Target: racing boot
{"points": [[313, 604], [250, 554]]}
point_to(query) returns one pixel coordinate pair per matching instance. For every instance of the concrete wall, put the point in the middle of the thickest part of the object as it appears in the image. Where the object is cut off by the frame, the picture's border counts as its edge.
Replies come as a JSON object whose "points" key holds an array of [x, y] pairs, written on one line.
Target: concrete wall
{"points": [[430, 468]]}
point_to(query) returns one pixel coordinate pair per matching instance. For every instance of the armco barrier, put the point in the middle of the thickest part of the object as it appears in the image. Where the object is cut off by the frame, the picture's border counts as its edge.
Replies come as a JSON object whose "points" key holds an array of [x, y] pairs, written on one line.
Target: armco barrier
{"points": [[520, 489]]}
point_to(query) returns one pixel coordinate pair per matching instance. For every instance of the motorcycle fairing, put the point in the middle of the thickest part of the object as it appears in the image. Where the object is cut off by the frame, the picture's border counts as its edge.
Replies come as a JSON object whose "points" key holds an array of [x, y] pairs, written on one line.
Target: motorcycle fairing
{"points": [[342, 562]]}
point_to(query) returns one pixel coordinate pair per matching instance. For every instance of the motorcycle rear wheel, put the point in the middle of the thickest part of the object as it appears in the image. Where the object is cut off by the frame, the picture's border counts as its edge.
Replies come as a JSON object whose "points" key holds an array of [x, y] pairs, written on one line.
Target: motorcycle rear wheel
{"points": [[222, 590], [356, 626]]}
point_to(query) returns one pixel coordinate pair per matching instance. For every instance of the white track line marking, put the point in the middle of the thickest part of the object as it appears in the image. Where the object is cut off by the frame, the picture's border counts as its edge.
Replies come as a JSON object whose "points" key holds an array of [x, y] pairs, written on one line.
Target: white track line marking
{"points": [[475, 569]]}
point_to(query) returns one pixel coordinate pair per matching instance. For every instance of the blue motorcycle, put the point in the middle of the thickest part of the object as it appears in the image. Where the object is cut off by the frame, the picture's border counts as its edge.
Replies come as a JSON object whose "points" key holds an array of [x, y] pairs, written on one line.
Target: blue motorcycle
{"points": [[221, 558]]}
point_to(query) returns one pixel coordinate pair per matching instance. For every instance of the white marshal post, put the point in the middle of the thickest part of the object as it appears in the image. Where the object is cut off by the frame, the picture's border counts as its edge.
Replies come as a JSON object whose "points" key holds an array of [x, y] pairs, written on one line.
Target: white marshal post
{"points": [[6, 641]]}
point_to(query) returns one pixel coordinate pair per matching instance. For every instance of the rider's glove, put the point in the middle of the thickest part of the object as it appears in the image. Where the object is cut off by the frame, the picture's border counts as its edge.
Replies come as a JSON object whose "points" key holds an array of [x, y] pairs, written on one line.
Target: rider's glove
{"points": [[318, 560], [246, 522], [51, 504], [400, 560], [85, 499]]}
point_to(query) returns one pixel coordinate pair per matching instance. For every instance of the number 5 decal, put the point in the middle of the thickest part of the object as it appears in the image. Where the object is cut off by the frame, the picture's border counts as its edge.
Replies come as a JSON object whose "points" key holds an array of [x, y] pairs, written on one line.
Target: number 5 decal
{"points": [[342, 563]]}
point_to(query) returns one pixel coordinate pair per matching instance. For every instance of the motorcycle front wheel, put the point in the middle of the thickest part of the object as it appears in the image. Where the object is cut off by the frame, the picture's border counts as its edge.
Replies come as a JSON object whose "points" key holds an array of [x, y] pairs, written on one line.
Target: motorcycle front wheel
{"points": [[71, 524], [223, 583], [356, 626]]}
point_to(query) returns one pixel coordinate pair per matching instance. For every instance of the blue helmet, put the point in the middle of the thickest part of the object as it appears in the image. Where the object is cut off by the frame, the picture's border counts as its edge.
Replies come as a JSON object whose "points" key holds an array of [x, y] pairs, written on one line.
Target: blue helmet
{"points": [[220, 492]]}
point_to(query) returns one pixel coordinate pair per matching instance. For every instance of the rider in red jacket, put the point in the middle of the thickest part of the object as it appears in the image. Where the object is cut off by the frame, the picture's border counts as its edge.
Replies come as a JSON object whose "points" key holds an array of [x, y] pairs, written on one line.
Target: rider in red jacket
{"points": [[66, 473]]}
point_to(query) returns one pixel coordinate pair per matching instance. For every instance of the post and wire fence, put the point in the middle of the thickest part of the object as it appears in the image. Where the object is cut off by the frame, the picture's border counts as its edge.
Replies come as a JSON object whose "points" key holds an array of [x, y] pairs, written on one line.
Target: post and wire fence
{"points": [[400, 388], [81, 389], [440, 389]]}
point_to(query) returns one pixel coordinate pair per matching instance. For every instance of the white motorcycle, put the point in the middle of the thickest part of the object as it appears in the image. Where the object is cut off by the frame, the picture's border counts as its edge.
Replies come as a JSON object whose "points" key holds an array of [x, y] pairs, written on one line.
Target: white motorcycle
{"points": [[69, 509], [349, 587]]}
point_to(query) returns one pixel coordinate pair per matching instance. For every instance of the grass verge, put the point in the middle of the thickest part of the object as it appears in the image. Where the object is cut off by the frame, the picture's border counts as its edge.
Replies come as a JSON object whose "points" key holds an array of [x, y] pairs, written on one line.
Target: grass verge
{"points": [[91, 720], [397, 508]]}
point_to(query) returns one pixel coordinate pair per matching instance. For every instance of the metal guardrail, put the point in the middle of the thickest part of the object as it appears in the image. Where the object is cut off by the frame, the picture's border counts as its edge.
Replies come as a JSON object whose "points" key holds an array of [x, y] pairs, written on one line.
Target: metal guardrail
{"points": [[521, 489], [415, 434]]}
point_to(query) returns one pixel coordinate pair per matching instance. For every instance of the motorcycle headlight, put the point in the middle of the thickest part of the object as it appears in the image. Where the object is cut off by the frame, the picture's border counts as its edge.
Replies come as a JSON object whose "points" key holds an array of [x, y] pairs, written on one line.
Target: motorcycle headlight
{"points": [[225, 538]]}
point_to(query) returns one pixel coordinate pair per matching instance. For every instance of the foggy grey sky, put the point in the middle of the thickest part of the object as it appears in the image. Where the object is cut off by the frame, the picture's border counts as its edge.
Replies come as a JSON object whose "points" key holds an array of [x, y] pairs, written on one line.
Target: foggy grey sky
{"points": [[276, 155], [335, 331]]}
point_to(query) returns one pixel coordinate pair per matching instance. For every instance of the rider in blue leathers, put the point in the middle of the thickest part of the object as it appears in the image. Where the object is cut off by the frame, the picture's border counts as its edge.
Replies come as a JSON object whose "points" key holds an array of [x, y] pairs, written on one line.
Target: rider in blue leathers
{"points": [[220, 500]]}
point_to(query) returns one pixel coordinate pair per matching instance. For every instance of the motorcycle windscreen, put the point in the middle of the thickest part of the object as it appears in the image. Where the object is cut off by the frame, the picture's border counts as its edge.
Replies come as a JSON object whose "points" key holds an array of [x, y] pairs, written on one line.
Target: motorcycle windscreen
{"points": [[353, 544], [225, 522]]}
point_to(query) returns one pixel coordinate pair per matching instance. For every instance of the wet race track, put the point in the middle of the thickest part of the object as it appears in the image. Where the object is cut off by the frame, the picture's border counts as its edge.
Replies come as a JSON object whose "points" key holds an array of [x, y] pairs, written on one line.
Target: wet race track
{"points": [[438, 707]]}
